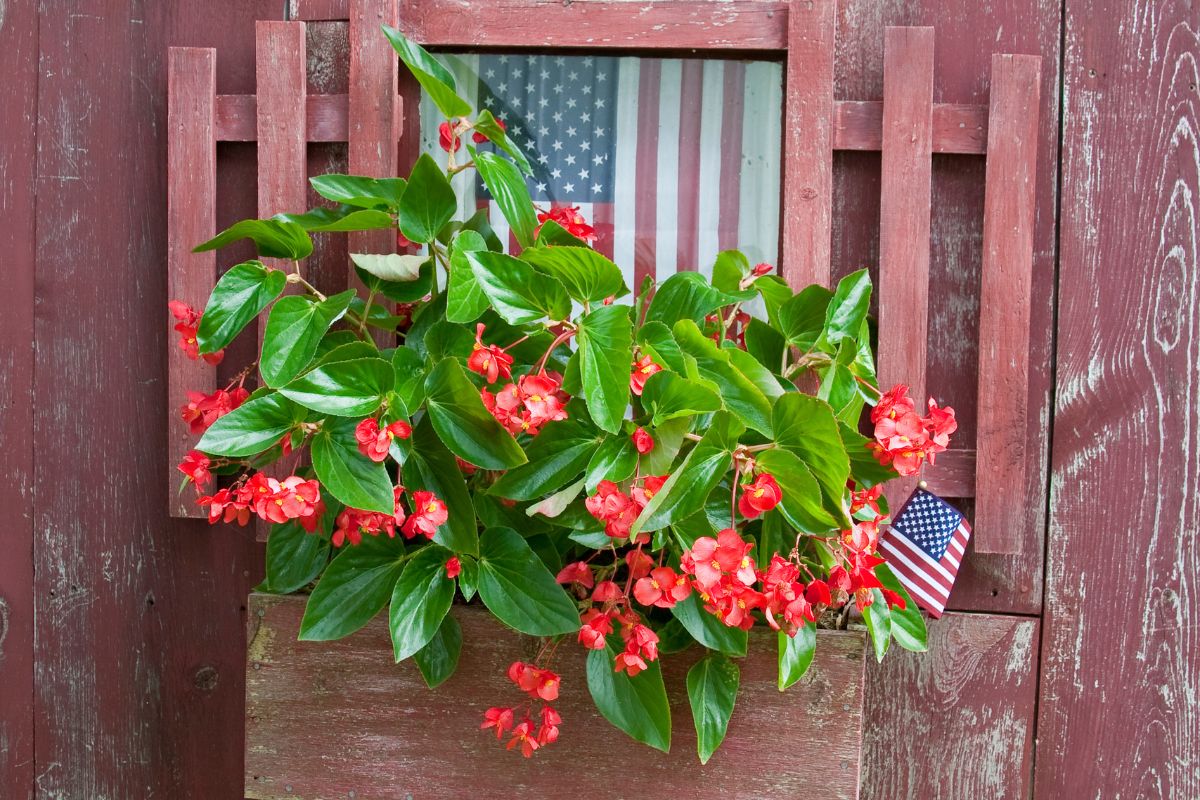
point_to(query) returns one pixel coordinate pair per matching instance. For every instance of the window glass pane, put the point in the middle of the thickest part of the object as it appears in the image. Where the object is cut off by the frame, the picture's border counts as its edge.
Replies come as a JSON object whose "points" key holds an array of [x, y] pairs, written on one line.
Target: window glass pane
{"points": [[673, 160]]}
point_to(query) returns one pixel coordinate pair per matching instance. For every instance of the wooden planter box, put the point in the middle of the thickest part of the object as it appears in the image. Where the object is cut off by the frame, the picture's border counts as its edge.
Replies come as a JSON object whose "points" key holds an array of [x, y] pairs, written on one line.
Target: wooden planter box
{"points": [[341, 720]]}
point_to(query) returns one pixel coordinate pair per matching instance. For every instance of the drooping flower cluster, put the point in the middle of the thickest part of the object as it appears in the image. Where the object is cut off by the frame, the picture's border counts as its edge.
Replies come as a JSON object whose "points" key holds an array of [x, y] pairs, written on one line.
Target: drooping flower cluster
{"points": [[202, 410], [528, 404], [542, 686], [187, 323], [903, 439], [271, 499], [571, 221], [618, 510], [428, 514], [374, 441]]}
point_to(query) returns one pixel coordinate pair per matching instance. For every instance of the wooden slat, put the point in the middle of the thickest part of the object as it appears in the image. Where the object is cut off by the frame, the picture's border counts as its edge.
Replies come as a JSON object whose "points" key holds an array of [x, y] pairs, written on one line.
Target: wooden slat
{"points": [[191, 210], [374, 112], [326, 117], [1004, 302], [330, 718], [958, 721], [904, 216], [594, 24], [953, 475], [808, 144], [957, 127]]}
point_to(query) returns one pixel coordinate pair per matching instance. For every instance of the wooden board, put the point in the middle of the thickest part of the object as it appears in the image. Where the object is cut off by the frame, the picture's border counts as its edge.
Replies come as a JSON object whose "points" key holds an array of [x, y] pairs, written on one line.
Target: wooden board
{"points": [[956, 722], [1118, 714], [18, 157], [326, 719]]}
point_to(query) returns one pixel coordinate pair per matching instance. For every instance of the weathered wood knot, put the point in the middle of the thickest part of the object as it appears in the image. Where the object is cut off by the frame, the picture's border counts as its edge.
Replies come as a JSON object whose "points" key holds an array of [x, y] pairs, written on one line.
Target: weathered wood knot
{"points": [[808, 193], [206, 678]]}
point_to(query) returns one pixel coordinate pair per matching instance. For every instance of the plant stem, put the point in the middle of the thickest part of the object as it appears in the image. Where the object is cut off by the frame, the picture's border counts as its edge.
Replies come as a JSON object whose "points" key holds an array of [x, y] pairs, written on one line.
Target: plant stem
{"points": [[362, 324]]}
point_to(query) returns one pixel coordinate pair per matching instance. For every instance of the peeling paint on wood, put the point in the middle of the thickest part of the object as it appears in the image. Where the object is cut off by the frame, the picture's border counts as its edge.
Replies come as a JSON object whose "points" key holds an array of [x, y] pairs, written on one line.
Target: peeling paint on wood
{"points": [[328, 718]]}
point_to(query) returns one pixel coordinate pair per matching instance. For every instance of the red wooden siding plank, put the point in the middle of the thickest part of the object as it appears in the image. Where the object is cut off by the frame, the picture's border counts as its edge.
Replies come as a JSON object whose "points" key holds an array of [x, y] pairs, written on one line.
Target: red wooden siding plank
{"points": [[807, 201], [690, 116], [374, 112], [326, 117], [954, 475], [1004, 302], [301, 696], [191, 209], [596, 24], [904, 216], [957, 127]]}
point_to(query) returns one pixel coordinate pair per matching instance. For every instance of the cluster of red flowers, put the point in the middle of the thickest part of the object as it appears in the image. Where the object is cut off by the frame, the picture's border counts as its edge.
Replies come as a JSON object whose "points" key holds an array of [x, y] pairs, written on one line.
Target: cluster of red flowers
{"points": [[489, 360], [541, 685], [618, 510], [374, 442], [724, 574], [760, 496], [571, 221], [203, 410], [654, 586], [187, 322], [528, 404], [903, 439], [271, 499], [447, 139], [195, 465], [640, 372], [428, 514]]}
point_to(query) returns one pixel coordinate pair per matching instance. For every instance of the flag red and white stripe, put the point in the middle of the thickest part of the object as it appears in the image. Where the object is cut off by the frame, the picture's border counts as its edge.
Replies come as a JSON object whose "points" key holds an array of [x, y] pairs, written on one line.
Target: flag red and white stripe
{"points": [[924, 547]]}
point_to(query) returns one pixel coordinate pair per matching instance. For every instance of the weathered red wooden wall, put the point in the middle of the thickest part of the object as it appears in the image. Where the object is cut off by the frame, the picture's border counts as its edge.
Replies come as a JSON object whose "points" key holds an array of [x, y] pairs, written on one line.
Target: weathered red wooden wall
{"points": [[131, 683]]}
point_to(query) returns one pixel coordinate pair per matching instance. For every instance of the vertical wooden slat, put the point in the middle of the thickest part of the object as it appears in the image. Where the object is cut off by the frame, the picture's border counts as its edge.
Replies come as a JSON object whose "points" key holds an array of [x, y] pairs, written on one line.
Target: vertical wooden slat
{"points": [[1004, 302], [191, 209], [808, 144], [904, 216], [374, 112]]}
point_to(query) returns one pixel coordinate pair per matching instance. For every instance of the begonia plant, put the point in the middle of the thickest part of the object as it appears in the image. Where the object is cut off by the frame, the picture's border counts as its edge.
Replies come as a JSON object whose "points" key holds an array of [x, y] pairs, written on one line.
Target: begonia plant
{"points": [[633, 474]]}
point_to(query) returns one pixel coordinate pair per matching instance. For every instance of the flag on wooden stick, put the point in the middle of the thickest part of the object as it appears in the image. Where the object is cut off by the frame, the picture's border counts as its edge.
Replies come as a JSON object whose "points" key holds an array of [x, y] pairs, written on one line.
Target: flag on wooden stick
{"points": [[924, 547]]}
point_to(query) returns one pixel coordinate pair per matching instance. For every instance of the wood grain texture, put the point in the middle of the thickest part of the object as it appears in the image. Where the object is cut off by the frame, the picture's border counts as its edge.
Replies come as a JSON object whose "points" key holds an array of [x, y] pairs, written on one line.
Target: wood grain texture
{"points": [[808, 116], [325, 719], [1005, 295], [904, 214], [1121, 649], [139, 675], [593, 24], [958, 721], [191, 211], [18, 158], [967, 36]]}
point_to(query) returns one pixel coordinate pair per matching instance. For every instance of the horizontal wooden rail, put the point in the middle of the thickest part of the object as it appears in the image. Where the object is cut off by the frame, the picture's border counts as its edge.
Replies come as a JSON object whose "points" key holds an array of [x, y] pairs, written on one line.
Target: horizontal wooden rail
{"points": [[857, 124], [953, 475]]}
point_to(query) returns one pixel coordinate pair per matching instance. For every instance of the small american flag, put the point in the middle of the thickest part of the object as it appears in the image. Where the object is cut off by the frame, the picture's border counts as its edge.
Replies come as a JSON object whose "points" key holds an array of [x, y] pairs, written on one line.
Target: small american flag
{"points": [[671, 160], [924, 547]]}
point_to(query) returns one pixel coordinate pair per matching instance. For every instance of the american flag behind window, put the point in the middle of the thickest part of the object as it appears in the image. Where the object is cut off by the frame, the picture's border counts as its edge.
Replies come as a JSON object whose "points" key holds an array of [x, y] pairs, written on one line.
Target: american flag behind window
{"points": [[924, 547], [672, 160]]}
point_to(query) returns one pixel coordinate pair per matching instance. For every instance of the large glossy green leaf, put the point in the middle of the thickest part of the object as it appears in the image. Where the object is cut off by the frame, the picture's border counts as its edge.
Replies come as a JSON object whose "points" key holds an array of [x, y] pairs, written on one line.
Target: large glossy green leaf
{"points": [[556, 457], [354, 588], [486, 125], [688, 295], [802, 318], [339, 220], [775, 292], [241, 293], [848, 309], [706, 629], [729, 269], [605, 339], [864, 467], [434, 78], [438, 659], [766, 344], [517, 292], [295, 327], [251, 427], [516, 586], [465, 300], [428, 203], [638, 705], [712, 685], [420, 600], [352, 388], [430, 467], [667, 395], [295, 557], [588, 276], [346, 473], [409, 385], [274, 238], [656, 341], [908, 626], [359, 190], [507, 187], [755, 372], [691, 482], [614, 460], [796, 654], [879, 623], [802, 504], [406, 289], [740, 394], [463, 423], [807, 427]]}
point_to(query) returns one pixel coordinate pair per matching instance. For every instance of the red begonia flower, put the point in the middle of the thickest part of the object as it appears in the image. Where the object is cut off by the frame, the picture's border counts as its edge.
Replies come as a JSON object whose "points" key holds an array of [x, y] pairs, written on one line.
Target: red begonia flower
{"points": [[489, 360], [446, 138], [499, 718], [195, 465], [661, 588], [571, 220], [640, 373], [187, 324], [760, 496], [453, 567], [642, 441], [429, 513], [577, 572]]}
